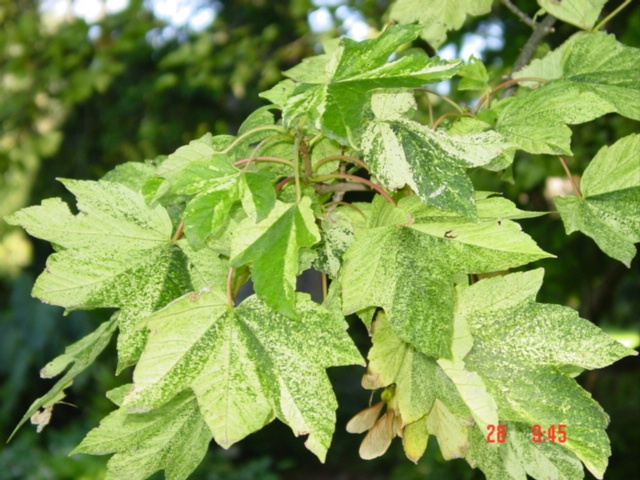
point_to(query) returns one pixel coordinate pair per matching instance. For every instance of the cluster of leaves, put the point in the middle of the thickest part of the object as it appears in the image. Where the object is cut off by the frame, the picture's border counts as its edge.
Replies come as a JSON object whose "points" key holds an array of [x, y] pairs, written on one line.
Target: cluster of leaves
{"points": [[170, 242]]}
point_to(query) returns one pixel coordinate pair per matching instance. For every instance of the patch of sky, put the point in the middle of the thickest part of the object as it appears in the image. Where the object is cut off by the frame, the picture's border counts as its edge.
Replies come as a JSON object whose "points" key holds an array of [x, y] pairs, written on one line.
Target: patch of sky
{"points": [[350, 20], [181, 16], [488, 36]]}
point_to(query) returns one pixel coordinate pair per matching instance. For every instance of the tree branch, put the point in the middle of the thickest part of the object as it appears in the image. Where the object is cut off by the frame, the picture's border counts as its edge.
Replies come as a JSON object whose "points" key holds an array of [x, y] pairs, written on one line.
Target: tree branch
{"points": [[540, 31], [519, 13]]}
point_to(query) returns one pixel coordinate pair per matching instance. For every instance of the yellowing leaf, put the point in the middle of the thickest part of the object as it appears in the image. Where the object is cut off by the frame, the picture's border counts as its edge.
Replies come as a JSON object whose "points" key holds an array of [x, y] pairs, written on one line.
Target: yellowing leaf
{"points": [[415, 437]]}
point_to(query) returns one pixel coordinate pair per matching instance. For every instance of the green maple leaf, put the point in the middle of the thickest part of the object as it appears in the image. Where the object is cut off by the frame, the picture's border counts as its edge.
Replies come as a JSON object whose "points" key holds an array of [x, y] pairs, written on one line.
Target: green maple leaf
{"points": [[245, 365], [174, 438], [271, 247], [519, 456], [536, 121], [408, 268], [403, 152], [333, 90], [206, 148], [437, 16], [608, 210], [116, 252], [80, 355], [520, 349], [215, 186], [581, 13], [595, 63]]}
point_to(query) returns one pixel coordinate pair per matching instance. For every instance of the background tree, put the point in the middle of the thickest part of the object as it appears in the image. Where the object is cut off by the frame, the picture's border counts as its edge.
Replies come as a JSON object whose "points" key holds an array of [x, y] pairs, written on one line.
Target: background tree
{"points": [[77, 100]]}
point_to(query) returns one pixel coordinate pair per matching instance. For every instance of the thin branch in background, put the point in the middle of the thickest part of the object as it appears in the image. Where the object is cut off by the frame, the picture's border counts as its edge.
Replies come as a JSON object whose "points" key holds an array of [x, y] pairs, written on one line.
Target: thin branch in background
{"points": [[544, 28], [519, 13], [576, 189]]}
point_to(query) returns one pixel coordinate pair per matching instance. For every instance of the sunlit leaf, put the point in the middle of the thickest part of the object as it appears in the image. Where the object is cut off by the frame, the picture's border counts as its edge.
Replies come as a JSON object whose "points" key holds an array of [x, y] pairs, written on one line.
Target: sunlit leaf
{"points": [[609, 210]]}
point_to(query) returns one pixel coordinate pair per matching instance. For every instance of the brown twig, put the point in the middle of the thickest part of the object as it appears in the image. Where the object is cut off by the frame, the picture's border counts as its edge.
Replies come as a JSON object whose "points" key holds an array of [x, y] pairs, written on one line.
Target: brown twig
{"points": [[304, 152], [519, 13], [507, 83], [354, 178], [179, 231], [442, 117], [230, 296], [443, 97], [576, 189], [283, 182], [542, 29]]}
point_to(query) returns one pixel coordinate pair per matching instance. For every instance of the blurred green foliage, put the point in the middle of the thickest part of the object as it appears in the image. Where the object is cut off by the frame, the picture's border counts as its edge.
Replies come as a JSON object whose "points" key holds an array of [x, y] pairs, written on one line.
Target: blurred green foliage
{"points": [[78, 99]]}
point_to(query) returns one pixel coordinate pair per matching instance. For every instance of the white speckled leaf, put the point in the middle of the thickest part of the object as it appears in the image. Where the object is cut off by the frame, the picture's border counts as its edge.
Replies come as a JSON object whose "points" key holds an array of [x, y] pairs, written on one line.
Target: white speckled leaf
{"points": [[80, 355], [338, 228], [116, 252], [581, 13], [520, 456], [519, 349], [246, 365], [271, 247], [437, 16], [609, 211], [536, 121], [402, 152], [173, 438], [407, 269], [334, 99], [596, 63]]}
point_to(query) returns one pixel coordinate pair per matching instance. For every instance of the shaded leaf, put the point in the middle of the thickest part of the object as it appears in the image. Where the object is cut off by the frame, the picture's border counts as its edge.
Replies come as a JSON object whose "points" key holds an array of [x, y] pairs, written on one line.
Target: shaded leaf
{"points": [[80, 355], [173, 438]]}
